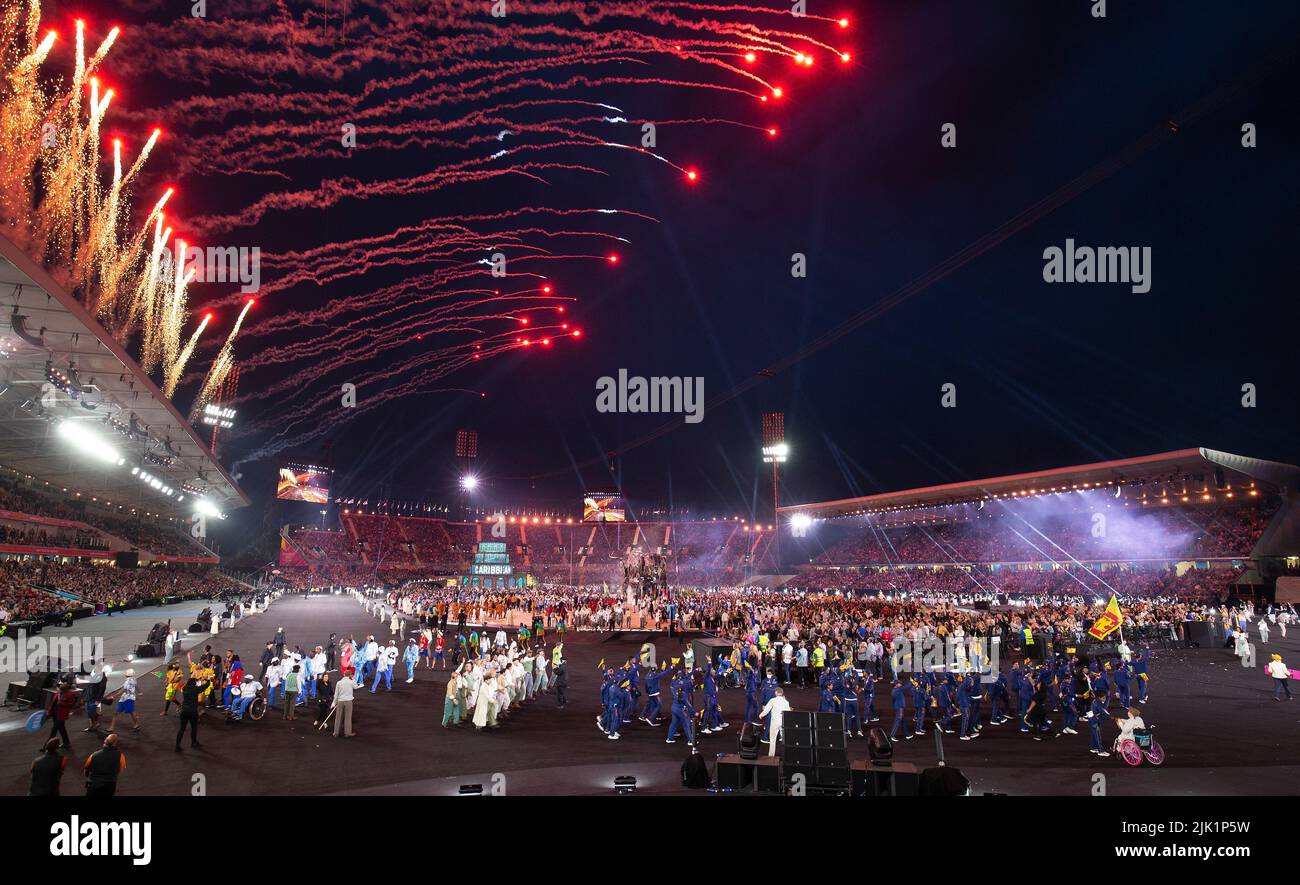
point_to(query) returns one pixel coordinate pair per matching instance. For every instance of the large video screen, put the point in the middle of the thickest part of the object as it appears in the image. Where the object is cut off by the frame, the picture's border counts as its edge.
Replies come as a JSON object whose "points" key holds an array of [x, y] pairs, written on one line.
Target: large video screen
{"points": [[603, 508], [300, 482]]}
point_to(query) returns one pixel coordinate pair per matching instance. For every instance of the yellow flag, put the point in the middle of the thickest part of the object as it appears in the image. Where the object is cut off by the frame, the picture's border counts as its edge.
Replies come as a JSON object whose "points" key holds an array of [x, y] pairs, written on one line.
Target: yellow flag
{"points": [[1109, 621]]}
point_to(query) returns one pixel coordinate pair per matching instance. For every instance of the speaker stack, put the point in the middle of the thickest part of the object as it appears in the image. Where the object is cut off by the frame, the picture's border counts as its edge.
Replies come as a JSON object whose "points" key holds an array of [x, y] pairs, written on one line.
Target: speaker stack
{"points": [[815, 747]]}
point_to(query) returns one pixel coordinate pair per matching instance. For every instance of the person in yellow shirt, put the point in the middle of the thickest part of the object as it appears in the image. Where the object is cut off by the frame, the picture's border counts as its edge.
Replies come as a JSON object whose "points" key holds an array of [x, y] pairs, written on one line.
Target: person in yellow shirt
{"points": [[173, 679]]}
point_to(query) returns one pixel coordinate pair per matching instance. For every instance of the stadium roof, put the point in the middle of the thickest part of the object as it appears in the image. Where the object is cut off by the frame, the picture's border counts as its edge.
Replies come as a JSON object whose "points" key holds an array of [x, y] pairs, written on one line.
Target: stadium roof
{"points": [[49, 330], [1157, 471]]}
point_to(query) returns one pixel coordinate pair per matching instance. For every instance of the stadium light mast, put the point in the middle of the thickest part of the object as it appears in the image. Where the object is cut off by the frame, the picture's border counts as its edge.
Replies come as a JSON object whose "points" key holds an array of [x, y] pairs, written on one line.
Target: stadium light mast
{"points": [[215, 413], [467, 453], [775, 452]]}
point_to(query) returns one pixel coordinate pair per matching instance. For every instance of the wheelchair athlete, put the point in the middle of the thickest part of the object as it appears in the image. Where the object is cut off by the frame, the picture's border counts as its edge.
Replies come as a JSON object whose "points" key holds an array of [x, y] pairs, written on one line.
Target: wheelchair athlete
{"points": [[242, 698]]}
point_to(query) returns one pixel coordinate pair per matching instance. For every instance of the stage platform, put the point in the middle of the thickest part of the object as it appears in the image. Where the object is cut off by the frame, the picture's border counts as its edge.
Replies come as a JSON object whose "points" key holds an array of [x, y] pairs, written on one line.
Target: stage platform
{"points": [[1223, 733]]}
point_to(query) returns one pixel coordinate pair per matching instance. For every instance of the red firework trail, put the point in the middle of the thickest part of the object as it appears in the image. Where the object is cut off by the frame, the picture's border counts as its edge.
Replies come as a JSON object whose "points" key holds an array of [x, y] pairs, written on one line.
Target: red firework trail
{"points": [[545, 97]]}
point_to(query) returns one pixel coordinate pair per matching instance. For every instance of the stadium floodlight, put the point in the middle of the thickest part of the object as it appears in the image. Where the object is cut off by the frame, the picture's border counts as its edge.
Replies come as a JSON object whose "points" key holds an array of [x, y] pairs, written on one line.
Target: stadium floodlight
{"points": [[205, 507], [777, 454], [800, 522], [469, 482], [218, 416], [88, 442]]}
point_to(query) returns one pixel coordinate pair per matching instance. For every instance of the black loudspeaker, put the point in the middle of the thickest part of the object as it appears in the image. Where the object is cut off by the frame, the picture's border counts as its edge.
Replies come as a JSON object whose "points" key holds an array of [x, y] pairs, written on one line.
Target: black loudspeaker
{"points": [[149, 650], [127, 559], [832, 758], [832, 776], [34, 692], [737, 774], [809, 772], [799, 720], [769, 778], [797, 737], [873, 780], [731, 775], [798, 756], [748, 744], [708, 652], [1197, 632], [828, 722], [831, 740]]}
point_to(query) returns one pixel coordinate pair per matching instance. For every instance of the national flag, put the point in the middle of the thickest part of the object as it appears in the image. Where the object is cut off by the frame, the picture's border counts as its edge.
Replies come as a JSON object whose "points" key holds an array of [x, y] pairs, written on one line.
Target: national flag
{"points": [[1109, 621]]}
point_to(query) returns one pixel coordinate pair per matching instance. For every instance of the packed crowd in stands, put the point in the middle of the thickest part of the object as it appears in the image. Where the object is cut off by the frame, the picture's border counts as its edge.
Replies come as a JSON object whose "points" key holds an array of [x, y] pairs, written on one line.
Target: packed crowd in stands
{"points": [[43, 535], [155, 537], [1200, 530], [709, 551], [26, 586], [1065, 581]]}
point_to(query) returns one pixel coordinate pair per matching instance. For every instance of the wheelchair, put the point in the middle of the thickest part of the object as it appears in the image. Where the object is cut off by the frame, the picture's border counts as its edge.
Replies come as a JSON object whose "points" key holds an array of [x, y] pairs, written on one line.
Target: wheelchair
{"points": [[1143, 744], [256, 710]]}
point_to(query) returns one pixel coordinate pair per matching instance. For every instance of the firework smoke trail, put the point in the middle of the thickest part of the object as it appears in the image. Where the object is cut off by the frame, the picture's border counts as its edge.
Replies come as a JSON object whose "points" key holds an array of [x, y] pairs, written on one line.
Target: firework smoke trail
{"points": [[478, 100], [174, 373], [221, 366], [52, 200]]}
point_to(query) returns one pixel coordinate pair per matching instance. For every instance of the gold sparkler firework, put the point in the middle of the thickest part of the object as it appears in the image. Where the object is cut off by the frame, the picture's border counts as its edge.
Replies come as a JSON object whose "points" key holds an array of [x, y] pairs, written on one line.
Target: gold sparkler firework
{"points": [[54, 204], [220, 366], [174, 373]]}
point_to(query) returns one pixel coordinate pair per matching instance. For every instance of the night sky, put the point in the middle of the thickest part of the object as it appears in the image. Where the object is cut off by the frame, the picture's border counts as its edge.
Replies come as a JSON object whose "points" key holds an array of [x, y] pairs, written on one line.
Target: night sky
{"points": [[1046, 375]]}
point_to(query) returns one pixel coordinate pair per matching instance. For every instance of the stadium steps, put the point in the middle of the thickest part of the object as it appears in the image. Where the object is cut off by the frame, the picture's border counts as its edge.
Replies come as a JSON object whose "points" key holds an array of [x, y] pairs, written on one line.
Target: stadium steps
{"points": [[298, 548], [401, 529]]}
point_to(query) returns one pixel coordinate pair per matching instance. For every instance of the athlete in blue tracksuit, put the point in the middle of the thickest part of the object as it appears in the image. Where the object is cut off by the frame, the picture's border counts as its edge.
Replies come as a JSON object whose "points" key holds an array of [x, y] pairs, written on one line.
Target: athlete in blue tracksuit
{"points": [[898, 697], [1068, 708], [943, 697], [828, 700], [712, 711], [1106, 680], [1123, 682], [1141, 670], [918, 701], [606, 699], [1024, 694], [998, 697], [633, 691], [682, 712], [622, 700], [868, 686], [752, 706], [1100, 687], [652, 704], [852, 715], [1095, 717], [769, 688], [976, 697], [967, 728]]}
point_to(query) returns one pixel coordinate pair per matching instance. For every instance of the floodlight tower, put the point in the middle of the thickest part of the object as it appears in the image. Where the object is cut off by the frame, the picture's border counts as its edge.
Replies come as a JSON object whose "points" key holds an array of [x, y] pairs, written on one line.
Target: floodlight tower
{"points": [[467, 452], [775, 452], [216, 413]]}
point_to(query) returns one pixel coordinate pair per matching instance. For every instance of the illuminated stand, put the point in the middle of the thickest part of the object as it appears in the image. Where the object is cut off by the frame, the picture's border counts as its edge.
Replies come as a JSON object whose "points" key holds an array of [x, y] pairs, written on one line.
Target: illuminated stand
{"points": [[491, 569]]}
